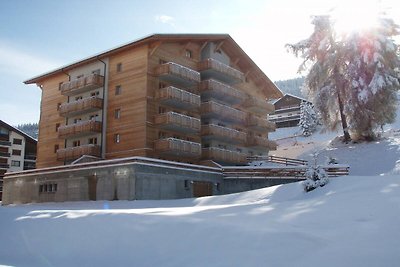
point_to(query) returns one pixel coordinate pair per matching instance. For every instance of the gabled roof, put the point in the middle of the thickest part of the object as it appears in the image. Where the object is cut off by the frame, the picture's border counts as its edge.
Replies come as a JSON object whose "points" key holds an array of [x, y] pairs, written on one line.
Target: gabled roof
{"points": [[11, 128], [290, 96], [226, 41]]}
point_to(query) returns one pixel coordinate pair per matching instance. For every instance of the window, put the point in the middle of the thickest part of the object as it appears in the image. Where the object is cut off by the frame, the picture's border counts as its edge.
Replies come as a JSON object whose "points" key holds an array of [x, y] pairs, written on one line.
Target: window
{"points": [[17, 141], [76, 143], [76, 120], [48, 188], [161, 110], [92, 141], [78, 98], [161, 85], [16, 152], [162, 135], [118, 90], [119, 67], [56, 147], [15, 163], [59, 85], [58, 106], [117, 113], [162, 61], [117, 138], [57, 126], [188, 53], [92, 94]]}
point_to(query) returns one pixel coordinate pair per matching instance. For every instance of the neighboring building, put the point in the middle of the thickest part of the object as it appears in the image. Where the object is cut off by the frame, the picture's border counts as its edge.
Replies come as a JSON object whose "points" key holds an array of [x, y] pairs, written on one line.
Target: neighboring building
{"points": [[194, 98], [287, 111], [17, 151]]}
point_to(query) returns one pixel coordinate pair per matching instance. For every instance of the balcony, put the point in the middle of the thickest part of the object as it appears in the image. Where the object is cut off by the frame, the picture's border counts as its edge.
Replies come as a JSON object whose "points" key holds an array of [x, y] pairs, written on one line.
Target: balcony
{"points": [[261, 142], [177, 122], [4, 155], [4, 166], [175, 73], [211, 68], [221, 112], [79, 129], [5, 143], [258, 106], [81, 85], [216, 132], [214, 89], [72, 153], [81, 106], [178, 98], [223, 155], [177, 147], [260, 124]]}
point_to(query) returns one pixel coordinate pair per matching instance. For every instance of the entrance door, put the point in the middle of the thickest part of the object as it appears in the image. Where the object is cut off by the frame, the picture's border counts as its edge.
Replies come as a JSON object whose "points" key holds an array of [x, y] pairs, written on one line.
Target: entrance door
{"points": [[202, 189]]}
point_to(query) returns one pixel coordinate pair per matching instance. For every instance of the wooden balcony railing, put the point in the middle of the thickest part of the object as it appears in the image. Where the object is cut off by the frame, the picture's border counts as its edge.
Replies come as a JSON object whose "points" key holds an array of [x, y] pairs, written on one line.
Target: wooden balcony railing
{"points": [[222, 112], [4, 166], [212, 68], [173, 72], [177, 122], [83, 84], [79, 129], [258, 105], [214, 89], [5, 143], [5, 154], [175, 97], [260, 124], [177, 147], [81, 106], [223, 155], [72, 153], [258, 141], [212, 131]]}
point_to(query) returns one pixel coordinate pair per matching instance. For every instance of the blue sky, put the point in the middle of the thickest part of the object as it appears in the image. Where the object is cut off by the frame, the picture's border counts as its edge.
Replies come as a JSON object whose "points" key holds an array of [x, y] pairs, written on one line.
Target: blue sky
{"points": [[38, 36]]}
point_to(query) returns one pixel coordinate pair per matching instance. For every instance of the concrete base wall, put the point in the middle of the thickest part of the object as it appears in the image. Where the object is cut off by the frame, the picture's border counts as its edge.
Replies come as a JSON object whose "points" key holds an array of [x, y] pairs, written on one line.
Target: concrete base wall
{"points": [[130, 181], [237, 185]]}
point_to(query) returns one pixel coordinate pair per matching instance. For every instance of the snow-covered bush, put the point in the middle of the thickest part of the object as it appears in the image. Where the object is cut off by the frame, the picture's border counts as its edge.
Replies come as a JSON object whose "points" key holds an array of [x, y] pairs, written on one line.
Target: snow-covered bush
{"points": [[315, 177]]}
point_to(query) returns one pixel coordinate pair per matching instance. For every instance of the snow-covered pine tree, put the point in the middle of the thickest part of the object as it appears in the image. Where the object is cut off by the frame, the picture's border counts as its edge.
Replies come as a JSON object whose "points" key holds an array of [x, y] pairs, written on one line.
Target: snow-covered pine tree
{"points": [[352, 76], [308, 118], [315, 176]]}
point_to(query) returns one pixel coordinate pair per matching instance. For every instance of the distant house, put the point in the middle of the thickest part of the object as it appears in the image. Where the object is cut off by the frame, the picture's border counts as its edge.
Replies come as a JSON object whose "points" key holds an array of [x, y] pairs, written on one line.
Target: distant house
{"points": [[287, 111], [17, 151]]}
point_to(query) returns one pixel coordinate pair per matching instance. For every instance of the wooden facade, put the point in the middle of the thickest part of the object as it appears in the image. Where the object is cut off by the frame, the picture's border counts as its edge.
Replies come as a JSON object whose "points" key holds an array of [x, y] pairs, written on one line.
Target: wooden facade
{"points": [[182, 97]]}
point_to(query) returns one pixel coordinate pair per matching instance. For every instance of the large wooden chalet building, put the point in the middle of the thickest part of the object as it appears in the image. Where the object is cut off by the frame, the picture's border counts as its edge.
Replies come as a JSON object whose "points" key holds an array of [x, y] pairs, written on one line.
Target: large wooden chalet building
{"points": [[195, 98]]}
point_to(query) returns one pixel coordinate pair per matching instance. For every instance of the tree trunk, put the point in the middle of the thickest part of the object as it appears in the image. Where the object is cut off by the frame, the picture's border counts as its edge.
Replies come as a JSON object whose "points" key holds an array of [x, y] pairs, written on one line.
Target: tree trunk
{"points": [[343, 119]]}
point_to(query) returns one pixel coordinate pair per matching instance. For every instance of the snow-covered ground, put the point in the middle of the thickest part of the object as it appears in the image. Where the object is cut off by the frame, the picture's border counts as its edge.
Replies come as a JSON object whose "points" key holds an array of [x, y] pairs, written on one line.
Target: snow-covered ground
{"points": [[352, 221]]}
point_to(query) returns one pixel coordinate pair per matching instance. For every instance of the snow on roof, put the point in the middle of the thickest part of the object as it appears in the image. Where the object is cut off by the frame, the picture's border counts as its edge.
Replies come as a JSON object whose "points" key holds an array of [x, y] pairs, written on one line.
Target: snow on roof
{"points": [[12, 128]]}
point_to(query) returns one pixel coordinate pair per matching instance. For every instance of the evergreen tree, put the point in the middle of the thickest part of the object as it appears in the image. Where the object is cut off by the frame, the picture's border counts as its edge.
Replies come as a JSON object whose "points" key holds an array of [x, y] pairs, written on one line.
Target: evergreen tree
{"points": [[308, 119], [31, 129], [352, 76]]}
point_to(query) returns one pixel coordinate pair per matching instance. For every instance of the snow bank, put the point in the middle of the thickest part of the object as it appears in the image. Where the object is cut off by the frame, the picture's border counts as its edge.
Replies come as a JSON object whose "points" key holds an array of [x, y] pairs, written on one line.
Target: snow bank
{"points": [[352, 221]]}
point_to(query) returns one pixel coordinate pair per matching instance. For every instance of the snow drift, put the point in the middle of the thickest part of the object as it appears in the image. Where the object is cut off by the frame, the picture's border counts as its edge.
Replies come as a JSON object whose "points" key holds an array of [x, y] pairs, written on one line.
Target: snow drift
{"points": [[352, 221]]}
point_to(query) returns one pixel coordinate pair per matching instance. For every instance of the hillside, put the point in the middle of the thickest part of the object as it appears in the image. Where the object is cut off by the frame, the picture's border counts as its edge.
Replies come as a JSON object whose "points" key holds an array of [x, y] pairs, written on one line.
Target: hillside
{"points": [[291, 86]]}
